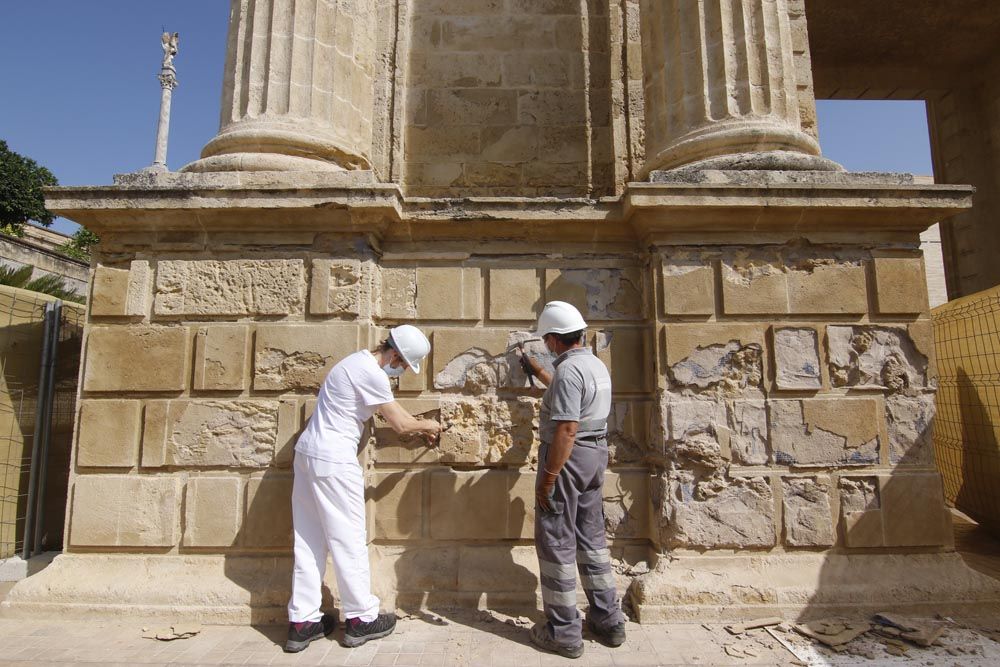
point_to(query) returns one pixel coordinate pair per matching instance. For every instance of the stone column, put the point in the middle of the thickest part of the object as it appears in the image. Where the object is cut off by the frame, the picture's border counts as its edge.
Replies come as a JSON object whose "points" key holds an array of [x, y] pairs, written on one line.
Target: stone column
{"points": [[298, 88], [720, 87]]}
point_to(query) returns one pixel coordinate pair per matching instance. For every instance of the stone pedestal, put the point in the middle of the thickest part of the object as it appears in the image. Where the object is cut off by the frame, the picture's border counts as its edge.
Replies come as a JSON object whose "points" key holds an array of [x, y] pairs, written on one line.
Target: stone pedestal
{"points": [[299, 88], [720, 83]]}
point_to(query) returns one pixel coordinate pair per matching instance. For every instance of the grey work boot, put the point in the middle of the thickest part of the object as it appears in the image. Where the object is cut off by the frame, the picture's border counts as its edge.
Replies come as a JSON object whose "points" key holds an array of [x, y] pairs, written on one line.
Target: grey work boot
{"points": [[301, 634], [541, 636], [613, 636], [357, 632]]}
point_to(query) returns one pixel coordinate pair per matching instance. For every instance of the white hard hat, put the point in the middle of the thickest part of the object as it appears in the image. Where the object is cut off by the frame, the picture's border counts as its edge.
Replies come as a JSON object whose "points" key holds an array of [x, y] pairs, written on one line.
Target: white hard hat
{"points": [[411, 343], [561, 318]]}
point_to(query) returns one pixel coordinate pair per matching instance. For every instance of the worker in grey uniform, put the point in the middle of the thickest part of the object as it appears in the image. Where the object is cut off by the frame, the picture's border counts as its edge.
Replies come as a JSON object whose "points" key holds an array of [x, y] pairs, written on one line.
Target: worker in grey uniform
{"points": [[569, 512]]}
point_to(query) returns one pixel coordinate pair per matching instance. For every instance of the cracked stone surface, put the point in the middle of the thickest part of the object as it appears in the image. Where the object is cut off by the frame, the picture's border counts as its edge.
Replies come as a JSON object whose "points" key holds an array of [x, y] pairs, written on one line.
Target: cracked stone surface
{"points": [[749, 438], [488, 431], [821, 432], [230, 287], [729, 368], [796, 359], [714, 513], [876, 357], [222, 433], [808, 522]]}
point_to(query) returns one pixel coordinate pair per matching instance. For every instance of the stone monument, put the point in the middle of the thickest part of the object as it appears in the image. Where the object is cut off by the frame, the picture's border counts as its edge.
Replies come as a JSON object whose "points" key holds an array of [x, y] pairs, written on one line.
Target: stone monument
{"points": [[456, 165], [168, 81]]}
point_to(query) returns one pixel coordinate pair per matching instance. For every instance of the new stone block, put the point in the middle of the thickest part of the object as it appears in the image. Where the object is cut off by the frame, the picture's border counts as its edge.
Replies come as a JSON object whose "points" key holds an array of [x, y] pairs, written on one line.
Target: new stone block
{"points": [[599, 293], [220, 358], [471, 505], [451, 293], [472, 359], [207, 433], [626, 354], [288, 432], [512, 569], [400, 505], [796, 358], [828, 289], [298, 357], [338, 287], [121, 292], [136, 358], [236, 287], [109, 434], [914, 511], [125, 511], [515, 294], [213, 510], [825, 431], [268, 520], [688, 287], [759, 288], [900, 285], [808, 519]]}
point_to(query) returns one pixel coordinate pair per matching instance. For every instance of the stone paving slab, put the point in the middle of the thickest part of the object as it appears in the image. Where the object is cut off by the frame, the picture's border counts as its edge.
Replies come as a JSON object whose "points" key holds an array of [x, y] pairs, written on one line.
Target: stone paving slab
{"points": [[454, 640]]}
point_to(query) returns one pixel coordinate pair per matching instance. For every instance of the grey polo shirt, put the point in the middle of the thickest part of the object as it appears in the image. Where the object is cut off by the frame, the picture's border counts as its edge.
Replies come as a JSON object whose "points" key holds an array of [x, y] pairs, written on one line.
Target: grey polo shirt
{"points": [[580, 392]]}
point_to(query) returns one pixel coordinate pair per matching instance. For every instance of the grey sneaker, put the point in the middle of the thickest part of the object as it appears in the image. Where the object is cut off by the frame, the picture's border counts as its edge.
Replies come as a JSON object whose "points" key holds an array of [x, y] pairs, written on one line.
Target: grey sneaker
{"points": [[541, 636], [301, 634], [613, 636], [357, 632]]}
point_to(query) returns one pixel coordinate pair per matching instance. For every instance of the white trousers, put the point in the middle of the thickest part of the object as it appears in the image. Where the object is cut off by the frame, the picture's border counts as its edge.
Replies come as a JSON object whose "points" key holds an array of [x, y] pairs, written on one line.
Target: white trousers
{"points": [[328, 514]]}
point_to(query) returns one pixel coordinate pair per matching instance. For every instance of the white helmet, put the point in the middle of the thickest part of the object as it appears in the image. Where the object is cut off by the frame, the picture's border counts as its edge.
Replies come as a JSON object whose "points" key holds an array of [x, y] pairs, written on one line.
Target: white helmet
{"points": [[411, 343], [561, 318]]}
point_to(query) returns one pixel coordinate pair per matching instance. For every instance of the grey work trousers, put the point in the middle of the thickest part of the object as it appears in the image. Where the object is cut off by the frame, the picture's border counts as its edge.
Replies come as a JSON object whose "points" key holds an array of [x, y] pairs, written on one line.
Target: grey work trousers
{"points": [[573, 533]]}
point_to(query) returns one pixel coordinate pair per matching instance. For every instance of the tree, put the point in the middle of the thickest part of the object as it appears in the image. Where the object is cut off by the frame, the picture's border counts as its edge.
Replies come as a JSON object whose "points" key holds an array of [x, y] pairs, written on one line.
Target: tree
{"points": [[21, 197], [78, 247], [47, 284]]}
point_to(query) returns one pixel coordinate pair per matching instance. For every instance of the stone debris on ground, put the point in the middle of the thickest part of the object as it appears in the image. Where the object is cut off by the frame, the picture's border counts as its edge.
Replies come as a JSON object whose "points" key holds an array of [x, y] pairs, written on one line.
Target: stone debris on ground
{"points": [[172, 632]]}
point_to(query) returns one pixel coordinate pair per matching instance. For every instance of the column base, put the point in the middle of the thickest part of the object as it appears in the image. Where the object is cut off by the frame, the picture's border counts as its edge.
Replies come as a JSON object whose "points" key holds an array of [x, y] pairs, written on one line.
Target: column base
{"points": [[758, 161], [803, 586]]}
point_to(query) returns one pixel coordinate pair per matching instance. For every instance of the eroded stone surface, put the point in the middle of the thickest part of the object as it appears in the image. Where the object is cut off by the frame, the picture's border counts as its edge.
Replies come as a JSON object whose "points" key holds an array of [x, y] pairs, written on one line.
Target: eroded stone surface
{"points": [[340, 287], [749, 436], [239, 434], [875, 356], [488, 431], [714, 513], [608, 294], [807, 517], [728, 368], [229, 287], [299, 357], [822, 431], [860, 512], [398, 292], [910, 420], [626, 503], [796, 358]]}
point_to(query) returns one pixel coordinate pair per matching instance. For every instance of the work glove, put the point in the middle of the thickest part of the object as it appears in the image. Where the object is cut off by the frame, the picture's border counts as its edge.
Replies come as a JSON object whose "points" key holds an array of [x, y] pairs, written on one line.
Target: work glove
{"points": [[543, 491]]}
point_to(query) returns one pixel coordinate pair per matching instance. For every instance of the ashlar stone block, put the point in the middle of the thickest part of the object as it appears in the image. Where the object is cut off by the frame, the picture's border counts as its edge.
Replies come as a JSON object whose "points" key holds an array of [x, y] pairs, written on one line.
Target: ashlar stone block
{"points": [[900, 285], [233, 288], [298, 357], [136, 358], [481, 504], [688, 287], [121, 292], [714, 513], [515, 294], [600, 293], [395, 448], [913, 510], [629, 438], [754, 288], [488, 431], [748, 433], [876, 357], [449, 293], [220, 358], [808, 519], [400, 505], [825, 431], [626, 504], [626, 354], [910, 420], [213, 511], [339, 287], [828, 288], [125, 511], [268, 519], [722, 358], [398, 293], [473, 360], [796, 358], [109, 434], [861, 512], [207, 433]]}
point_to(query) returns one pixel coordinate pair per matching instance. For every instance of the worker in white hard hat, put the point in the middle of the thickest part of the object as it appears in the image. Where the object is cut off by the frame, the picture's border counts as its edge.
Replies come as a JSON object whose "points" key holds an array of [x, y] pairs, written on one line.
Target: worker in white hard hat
{"points": [[328, 492], [569, 505]]}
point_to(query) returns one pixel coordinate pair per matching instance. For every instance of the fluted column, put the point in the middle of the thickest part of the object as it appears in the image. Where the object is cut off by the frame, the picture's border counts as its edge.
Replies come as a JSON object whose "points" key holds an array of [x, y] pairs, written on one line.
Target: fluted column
{"points": [[720, 86], [298, 91]]}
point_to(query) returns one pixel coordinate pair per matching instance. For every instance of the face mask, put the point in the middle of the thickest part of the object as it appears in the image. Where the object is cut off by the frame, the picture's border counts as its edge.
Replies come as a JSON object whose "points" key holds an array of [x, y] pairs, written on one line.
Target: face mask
{"points": [[393, 372]]}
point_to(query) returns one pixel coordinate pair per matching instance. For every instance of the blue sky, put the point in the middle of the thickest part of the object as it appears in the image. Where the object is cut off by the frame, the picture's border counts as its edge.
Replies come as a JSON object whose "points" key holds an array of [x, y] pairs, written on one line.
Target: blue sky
{"points": [[80, 94]]}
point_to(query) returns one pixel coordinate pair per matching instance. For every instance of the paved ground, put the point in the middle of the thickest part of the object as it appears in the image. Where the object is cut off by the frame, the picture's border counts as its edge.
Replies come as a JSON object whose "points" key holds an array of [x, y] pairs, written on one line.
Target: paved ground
{"points": [[463, 639]]}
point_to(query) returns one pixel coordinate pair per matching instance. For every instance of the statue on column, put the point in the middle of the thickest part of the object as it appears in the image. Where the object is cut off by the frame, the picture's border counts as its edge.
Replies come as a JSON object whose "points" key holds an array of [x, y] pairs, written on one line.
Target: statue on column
{"points": [[169, 43]]}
